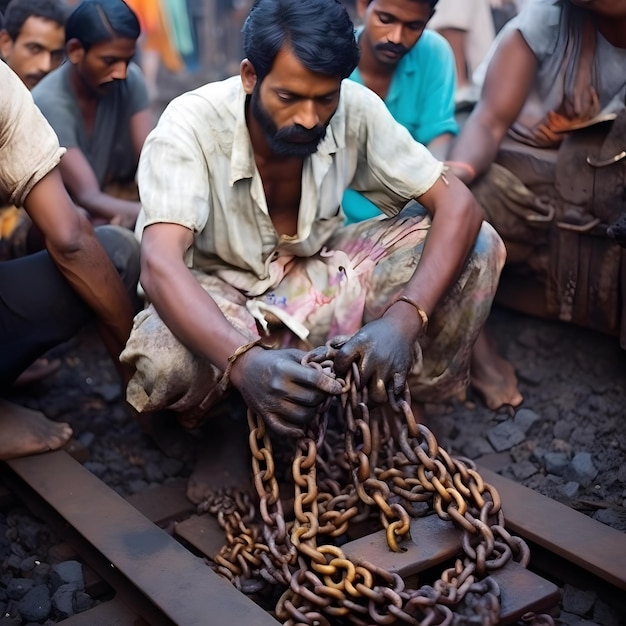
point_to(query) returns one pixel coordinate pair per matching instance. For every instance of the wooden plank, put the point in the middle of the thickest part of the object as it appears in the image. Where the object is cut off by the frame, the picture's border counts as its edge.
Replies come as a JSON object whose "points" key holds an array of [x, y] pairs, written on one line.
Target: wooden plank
{"points": [[164, 503], [433, 542], [581, 540], [203, 533], [181, 585], [522, 591], [111, 613]]}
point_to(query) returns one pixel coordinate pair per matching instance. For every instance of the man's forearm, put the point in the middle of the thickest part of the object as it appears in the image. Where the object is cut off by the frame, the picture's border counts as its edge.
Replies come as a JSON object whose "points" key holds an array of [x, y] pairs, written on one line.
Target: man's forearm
{"points": [[103, 205], [94, 278], [452, 236], [475, 150], [189, 311]]}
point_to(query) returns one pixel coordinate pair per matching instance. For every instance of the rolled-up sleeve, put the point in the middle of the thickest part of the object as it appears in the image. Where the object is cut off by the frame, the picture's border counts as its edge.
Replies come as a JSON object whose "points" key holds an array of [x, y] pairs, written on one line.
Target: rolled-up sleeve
{"points": [[173, 174], [29, 147]]}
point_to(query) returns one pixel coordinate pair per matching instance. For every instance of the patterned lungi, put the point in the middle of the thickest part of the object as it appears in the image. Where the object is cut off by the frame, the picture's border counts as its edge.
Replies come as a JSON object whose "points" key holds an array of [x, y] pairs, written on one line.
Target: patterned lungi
{"points": [[350, 282]]}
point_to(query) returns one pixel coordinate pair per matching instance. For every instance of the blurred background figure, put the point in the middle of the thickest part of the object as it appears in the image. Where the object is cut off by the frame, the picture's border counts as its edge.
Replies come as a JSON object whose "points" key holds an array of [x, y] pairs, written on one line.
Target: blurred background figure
{"points": [[230, 16], [97, 103], [470, 26], [32, 39], [167, 39]]}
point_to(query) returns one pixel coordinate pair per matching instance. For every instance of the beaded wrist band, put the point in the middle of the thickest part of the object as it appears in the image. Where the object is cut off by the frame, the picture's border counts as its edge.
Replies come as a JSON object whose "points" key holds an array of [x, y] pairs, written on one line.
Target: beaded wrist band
{"points": [[423, 315]]}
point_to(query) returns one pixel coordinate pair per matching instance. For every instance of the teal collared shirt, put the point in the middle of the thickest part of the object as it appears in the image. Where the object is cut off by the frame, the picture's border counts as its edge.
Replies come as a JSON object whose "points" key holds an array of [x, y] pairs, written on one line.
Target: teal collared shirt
{"points": [[421, 98]]}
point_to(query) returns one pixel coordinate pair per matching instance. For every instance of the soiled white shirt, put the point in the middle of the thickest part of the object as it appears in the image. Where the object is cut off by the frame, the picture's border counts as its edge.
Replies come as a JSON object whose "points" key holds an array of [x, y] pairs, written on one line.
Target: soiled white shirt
{"points": [[29, 148], [197, 169]]}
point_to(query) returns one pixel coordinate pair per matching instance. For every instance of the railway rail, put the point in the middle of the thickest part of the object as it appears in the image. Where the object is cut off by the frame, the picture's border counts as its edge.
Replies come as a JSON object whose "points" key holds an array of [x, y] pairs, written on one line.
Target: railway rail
{"points": [[149, 552]]}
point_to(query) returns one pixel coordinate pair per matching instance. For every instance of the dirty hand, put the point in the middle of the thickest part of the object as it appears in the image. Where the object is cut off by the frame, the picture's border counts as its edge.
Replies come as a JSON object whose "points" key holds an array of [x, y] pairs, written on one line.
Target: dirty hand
{"points": [[384, 353], [276, 386]]}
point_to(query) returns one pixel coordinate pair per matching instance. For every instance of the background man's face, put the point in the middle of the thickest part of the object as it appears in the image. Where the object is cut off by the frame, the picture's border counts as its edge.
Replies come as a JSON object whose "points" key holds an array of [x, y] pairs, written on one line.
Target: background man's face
{"points": [[392, 27], [38, 49], [105, 63]]}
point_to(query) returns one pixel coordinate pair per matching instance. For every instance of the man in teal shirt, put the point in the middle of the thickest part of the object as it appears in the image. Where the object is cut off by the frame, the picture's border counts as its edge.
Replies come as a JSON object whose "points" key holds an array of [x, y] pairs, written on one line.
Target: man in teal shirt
{"points": [[412, 70]]}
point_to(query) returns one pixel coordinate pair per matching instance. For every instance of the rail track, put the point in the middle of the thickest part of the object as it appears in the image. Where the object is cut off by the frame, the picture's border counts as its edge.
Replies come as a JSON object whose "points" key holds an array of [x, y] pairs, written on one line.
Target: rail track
{"points": [[148, 554]]}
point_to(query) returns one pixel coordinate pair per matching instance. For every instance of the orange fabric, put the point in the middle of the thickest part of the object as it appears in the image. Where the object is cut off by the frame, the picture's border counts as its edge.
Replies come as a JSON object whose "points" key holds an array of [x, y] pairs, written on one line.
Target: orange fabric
{"points": [[155, 31]]}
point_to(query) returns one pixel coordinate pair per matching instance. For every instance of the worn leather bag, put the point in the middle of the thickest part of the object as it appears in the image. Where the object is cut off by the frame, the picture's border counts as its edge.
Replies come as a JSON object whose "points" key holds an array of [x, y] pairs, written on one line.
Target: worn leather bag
{"points": [[587, 273]]}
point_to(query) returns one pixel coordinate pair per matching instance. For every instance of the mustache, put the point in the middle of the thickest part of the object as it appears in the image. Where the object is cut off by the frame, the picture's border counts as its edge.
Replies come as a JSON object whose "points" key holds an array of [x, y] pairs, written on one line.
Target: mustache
{"points": [[300, 134], [396, 48]]}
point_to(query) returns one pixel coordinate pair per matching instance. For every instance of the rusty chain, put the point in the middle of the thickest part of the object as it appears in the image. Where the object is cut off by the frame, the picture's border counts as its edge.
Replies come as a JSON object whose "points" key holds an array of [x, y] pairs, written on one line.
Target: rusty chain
{"points": [[349, 467]]}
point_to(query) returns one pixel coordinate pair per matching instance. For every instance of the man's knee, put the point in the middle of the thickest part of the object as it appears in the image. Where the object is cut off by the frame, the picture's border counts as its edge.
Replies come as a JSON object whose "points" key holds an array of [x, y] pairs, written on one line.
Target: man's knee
{"points": [[489, 246]]}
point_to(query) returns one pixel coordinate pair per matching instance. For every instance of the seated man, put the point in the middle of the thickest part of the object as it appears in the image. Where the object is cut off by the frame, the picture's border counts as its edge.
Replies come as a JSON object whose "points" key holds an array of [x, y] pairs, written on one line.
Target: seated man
{"points": [[98, 105], [551, 186], [469, 28], [243, 237], [48, 296], [32, 40], [32, 43], [412, 70]]}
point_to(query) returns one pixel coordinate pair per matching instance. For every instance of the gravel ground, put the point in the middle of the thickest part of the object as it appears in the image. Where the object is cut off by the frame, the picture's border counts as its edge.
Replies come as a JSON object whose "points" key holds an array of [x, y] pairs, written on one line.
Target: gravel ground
{"points": [[567, 441], [568, 438]]}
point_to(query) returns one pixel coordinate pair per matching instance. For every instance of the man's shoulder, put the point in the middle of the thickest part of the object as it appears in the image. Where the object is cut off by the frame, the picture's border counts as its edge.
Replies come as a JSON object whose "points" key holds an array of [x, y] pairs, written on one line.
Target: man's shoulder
{"points": [[13, 96], [354, 93], [219, 95], [220, 90], [52, 89], [135, 77]]}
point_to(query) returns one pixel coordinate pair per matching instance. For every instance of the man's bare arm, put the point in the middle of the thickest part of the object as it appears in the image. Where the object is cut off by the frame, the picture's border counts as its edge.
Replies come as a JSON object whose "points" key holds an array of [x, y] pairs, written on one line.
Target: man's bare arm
{"points": [[188, 311], [73, 246], [455, 224], [83, 185], [273, 383], [507, 84]]}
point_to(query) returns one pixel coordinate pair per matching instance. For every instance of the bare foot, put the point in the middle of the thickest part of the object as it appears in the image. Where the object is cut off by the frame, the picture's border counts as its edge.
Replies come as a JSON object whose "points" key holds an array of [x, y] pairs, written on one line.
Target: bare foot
{"points": [[222, 459], [492, 376], [24, 431]]}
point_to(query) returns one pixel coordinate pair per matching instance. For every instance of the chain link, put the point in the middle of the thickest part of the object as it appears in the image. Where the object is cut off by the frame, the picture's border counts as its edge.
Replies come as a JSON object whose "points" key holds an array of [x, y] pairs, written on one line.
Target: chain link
{"points": [[352, 466]]}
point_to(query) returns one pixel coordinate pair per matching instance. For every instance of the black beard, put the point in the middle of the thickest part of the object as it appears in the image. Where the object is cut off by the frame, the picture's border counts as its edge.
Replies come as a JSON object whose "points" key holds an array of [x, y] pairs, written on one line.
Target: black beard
{"points": [[293, 141]]}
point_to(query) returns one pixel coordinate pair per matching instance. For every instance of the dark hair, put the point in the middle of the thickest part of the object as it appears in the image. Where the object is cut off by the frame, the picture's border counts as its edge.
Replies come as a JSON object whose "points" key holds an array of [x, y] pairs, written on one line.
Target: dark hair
{"points": [[18, 11], [431, 3], [319, 32], [93, 21]]}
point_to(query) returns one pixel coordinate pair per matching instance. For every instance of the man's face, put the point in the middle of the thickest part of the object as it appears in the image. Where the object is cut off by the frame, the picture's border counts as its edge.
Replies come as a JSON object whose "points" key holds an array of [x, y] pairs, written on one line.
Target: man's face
{"points": [[104, 63], [293, 106], [38, 49], [392, 27]]}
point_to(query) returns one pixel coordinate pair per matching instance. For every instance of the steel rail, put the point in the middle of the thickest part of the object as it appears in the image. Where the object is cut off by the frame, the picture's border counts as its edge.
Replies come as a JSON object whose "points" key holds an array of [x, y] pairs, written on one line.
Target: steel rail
{"points": [[579, 539], [163, 582], [161, 579]]}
